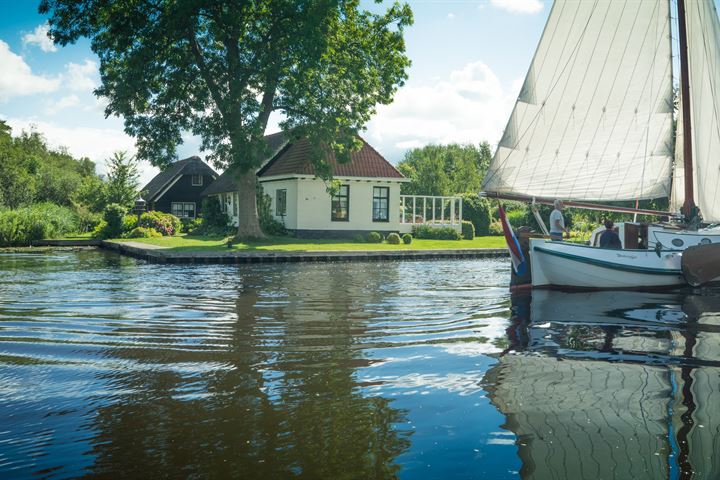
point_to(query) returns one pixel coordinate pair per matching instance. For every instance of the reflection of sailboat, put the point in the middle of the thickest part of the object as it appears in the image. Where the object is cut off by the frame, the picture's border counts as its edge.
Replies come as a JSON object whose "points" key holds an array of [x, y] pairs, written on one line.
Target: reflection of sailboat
{"points": [[604, 393], [594, 122]]}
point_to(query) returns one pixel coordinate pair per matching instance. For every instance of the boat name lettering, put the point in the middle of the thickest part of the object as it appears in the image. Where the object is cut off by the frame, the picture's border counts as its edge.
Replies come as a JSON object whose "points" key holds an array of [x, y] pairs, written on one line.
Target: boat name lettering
{"points": [[620, 255]]}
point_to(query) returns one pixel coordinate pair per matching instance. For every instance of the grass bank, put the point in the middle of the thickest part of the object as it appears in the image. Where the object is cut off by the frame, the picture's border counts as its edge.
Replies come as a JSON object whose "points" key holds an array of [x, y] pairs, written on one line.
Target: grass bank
{"points": [[184, 243]]}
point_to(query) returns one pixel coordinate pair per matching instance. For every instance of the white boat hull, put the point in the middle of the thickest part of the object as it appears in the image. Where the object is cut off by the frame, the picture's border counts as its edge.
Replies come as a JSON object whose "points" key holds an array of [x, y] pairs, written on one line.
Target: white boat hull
{"points": [[579, 266]]}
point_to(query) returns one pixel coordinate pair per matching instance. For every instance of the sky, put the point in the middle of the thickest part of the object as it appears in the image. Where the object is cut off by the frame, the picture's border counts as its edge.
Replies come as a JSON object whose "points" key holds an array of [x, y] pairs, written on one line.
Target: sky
{"points": [[469, 59]]}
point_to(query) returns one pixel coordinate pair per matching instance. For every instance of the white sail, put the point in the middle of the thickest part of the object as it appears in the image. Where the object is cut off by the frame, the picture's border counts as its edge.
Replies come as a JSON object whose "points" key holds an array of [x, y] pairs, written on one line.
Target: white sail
{"points": [[703, 32], [593, 120]]}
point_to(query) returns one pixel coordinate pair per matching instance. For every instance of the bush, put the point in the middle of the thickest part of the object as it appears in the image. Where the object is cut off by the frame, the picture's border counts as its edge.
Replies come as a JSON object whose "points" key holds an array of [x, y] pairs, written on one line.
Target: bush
{"points": [[436, 233], [164, 223], [407, 239], [142, 232], [130, 222], [496, 228], [36, 222], [214, 221], [478, 211], [358, 238], [268, 224], [189, 225], [393, 239], [374, 237], [468, 230], [114, 216]]}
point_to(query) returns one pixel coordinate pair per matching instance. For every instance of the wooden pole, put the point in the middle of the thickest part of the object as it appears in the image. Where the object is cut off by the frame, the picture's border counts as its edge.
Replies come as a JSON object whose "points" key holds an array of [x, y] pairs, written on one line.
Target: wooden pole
{"points": [[689, 204]]}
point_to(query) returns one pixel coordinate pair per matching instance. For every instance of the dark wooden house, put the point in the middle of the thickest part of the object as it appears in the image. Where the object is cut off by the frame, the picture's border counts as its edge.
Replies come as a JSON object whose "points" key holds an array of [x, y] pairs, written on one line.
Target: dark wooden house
{"points": [[178, 189]]}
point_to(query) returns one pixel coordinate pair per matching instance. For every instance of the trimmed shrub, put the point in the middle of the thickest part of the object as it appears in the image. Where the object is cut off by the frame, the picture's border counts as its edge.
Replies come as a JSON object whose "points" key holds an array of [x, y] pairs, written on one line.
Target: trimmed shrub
{"points": [[37, 222], [393, 239], [436, 233], [189, 225], [142, 232], [468, 230], [164, 223], [374, 237], [407, 239], [114, 217], [478, 211], [130, 222]]}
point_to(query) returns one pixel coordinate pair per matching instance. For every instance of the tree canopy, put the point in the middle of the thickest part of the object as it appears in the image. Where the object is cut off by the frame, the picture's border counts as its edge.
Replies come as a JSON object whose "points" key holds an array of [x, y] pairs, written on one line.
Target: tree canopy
{"points": [[218, 69], [445, 169]]}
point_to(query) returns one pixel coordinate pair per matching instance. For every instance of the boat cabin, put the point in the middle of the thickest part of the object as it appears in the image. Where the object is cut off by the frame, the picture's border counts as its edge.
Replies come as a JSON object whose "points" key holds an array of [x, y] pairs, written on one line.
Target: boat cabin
{"points": [[641, 235]]}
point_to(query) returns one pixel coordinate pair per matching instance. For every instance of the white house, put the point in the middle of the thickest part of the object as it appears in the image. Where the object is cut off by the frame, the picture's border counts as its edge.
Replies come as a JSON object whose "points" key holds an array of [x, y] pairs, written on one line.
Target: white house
{"points": [[368, 198]]}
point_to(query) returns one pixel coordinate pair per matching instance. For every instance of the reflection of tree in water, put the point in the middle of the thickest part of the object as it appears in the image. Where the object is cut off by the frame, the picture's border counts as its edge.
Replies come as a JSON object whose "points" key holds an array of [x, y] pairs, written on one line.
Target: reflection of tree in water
{"points": [[284, 402], [593, 390]]}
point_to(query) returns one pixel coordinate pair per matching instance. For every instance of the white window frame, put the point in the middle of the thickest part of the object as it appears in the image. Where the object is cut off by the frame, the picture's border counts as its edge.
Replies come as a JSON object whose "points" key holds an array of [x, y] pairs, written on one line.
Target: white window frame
{"points": [[199, 182], [183, 209]]}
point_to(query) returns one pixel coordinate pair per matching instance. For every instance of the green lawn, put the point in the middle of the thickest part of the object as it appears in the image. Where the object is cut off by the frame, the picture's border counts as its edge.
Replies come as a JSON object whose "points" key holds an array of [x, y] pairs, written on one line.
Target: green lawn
{"points": [[199, 244]]}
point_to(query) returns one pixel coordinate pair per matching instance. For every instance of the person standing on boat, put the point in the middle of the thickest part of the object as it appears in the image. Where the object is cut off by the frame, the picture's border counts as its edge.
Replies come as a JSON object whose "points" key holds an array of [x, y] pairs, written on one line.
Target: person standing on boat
{"points": [[557, 222], [609, 238]]}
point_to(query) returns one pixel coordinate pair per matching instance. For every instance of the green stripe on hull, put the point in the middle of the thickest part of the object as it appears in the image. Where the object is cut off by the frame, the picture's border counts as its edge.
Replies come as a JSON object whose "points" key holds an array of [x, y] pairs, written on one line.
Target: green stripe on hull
{"points": [[610, 265]]}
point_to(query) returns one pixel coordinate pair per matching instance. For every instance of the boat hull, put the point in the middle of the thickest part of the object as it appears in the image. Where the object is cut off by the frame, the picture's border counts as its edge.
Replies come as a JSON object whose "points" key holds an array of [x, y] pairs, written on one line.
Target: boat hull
{"points": [[570, 265]]}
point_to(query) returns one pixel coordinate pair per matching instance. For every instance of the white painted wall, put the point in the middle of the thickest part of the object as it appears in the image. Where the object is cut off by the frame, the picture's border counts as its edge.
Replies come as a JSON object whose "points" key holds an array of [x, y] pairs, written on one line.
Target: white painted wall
{"points": [[314, 205], [291, 185]]}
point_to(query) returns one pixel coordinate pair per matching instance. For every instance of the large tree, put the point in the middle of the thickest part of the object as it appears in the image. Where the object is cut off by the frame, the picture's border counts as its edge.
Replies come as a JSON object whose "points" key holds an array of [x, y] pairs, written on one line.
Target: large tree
{"points": [[218, 69], [445, 169]]}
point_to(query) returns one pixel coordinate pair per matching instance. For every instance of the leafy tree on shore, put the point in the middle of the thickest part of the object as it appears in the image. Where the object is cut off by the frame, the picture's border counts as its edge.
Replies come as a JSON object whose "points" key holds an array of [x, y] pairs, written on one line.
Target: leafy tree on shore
{"points": [[218, 69], [123, 179], [445, 169]]}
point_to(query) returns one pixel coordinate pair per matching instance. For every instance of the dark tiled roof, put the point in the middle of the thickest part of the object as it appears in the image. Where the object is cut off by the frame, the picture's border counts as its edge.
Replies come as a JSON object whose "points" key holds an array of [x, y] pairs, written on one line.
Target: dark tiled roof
{"points": [[187, 166], [226, 181], [366, 162]]}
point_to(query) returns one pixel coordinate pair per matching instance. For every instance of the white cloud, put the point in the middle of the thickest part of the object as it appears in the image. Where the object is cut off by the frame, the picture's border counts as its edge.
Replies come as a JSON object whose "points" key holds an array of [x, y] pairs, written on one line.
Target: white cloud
{"points": [[450, 16], [519, 6], [97, 144], [65, 102], [40, 38], [17, 79], [81, 77], [470, 106]]}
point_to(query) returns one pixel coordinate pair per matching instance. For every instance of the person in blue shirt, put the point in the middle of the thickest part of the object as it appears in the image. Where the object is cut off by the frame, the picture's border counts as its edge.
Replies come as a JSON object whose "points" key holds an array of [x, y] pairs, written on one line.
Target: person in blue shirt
{"points": [[609, 238]]}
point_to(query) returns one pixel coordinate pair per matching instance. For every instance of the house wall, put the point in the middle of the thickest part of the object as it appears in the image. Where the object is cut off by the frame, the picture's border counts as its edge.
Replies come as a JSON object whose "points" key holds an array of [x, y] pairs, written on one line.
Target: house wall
{"points": [[182, 191], [291, 185], [314, 206]]}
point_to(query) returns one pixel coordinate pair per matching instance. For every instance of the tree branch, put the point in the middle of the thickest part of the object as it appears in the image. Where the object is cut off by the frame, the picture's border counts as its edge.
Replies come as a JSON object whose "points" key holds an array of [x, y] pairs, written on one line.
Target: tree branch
{"points": [[205, 73]]}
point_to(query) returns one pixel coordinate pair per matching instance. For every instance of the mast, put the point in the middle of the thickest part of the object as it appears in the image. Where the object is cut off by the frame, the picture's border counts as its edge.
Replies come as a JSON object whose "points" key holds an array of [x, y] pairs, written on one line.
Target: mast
{"points": [[689, 204]]}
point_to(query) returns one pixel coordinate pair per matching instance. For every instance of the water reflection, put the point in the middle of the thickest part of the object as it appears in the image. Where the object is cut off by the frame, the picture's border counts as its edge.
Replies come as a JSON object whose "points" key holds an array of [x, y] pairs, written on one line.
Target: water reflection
{"points": [[612, 385]]}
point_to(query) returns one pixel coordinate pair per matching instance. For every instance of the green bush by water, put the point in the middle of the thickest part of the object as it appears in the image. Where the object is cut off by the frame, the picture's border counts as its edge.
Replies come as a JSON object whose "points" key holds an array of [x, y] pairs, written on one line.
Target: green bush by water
{"points": [[436, 233], [165, 223], [374, 237], [468, 230], [407, 239], [37, 222], [142, 232]]}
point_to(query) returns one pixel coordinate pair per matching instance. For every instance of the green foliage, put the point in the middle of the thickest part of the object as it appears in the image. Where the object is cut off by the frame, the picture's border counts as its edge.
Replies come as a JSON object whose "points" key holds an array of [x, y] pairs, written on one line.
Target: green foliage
{"points": [[165, 223], [358, 238], [496, 228], [478, 211], [142, 232], [130, 222], [114, 217], [393, 239], [468, 230], [189, 225], [31, 172], [219, 69], [268, 224], [374, 237], [26, 224], [213, 220], [407, 239], [436, 233], [445, 169], [123, 179]]}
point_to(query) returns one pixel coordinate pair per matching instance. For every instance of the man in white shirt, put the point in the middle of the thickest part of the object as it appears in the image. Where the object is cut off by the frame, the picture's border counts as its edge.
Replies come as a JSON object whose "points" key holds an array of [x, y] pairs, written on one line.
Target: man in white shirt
{"points": [[557, 222]]}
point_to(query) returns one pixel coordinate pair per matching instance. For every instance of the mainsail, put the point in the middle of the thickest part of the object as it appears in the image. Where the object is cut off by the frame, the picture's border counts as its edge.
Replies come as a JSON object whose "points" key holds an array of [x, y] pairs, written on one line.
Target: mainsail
{"points": [[593, 120], [703, 47]]}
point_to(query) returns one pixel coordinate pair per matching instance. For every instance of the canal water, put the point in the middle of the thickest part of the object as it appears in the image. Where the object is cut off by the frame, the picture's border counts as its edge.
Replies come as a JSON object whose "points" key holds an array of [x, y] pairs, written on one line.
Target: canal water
{"points": [[111, 367]]}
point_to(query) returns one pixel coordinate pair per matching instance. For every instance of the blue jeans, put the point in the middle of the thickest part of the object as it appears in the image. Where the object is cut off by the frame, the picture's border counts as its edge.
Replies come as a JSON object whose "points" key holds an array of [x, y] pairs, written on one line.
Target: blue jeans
{"points": [[556, 236]]}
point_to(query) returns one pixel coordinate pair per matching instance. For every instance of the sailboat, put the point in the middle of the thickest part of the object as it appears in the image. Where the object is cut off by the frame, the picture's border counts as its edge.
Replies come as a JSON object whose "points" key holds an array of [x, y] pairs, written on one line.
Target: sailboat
{"points": [[593, 122]]}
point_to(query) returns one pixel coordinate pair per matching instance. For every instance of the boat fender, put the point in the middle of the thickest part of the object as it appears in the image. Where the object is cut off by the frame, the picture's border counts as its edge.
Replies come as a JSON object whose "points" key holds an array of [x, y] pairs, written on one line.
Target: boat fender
{"points": [[658, 249]]}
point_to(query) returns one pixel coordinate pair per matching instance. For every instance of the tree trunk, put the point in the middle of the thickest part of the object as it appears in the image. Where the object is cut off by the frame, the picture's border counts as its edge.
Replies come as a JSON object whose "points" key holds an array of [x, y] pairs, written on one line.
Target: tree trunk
{"points": [[248, 223]]}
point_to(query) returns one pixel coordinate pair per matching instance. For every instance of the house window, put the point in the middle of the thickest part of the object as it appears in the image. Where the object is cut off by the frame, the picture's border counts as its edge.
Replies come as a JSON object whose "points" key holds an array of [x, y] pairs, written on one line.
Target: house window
{"points": [[281, 202], [340, 205], [381, 204], [197, 180], [235, 204], [183, 209], [223, 203]]}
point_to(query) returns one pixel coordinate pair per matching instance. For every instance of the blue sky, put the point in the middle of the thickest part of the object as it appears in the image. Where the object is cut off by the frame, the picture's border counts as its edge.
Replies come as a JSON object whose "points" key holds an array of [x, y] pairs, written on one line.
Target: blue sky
{"points": [[469, 59]]}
